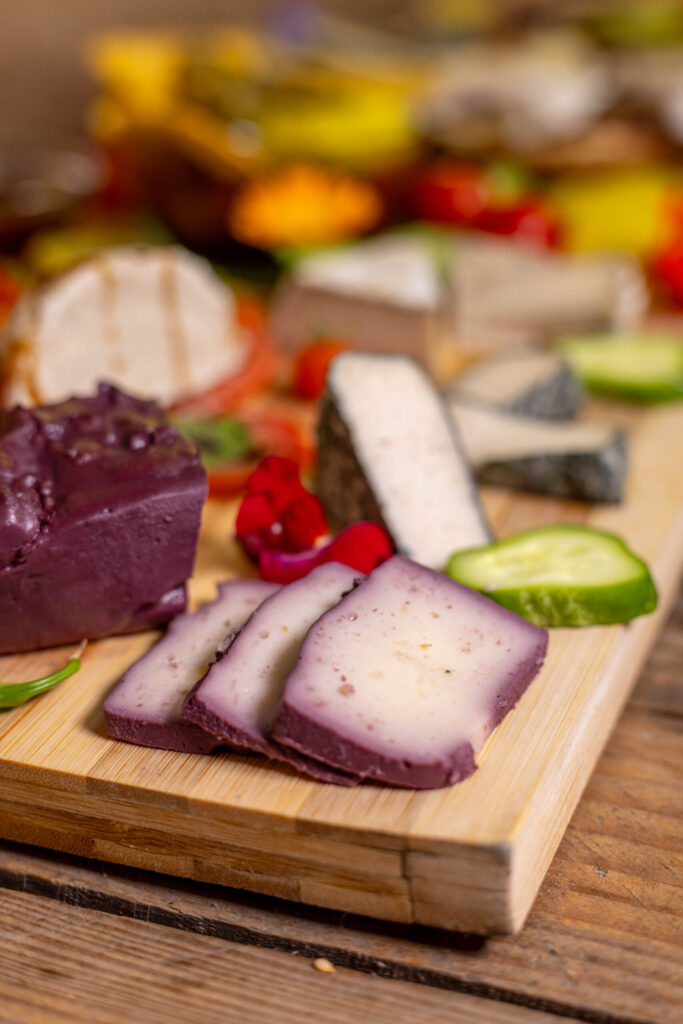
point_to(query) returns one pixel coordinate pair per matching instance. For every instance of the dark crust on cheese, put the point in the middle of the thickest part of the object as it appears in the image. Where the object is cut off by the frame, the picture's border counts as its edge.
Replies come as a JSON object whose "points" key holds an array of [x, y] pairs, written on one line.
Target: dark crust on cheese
{"points": [[302, 733], [585, 476], [557, 397], [182, 736], [340, 480]]}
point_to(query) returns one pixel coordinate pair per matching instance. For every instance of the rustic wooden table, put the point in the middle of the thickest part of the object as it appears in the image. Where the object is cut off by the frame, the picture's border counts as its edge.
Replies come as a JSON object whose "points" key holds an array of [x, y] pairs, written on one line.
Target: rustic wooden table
{"points": [[86, 941]]}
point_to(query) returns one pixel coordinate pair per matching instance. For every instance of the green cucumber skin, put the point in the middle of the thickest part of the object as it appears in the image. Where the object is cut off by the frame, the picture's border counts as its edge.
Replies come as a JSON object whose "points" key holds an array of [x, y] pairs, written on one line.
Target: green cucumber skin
{"points": [[587, 606], [643, 394], [566, 605]]}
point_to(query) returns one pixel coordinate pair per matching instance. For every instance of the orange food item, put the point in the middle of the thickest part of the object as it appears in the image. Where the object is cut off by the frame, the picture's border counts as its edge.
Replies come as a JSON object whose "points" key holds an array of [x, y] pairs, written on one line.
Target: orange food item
{"points": [[258, 373], [312, 364], [303, 205]]}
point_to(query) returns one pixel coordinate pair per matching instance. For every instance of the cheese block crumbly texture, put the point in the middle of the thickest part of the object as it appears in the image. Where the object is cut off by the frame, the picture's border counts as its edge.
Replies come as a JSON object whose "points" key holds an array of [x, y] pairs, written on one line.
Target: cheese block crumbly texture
{"points": [[240, 695], [389, 452], [100, 505], [585, 461], [145, 705], [537, 384], [405, 678], [154, 321]]}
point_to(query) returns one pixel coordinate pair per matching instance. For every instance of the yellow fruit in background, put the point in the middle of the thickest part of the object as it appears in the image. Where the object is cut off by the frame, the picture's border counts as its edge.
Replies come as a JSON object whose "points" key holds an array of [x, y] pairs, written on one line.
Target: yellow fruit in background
{"points": [[618, 209]]}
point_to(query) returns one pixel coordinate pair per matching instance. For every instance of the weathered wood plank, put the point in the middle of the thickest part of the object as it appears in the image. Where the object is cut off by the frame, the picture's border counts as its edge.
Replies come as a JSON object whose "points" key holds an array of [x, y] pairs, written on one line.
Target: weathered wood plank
{"points": [[603, 939], [105, 971]]}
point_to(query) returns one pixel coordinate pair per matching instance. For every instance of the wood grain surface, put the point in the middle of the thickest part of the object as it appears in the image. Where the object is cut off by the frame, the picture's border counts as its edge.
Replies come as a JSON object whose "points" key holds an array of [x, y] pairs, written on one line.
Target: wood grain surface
{"points": [[470, 857], [109, 971], [602, 942]]}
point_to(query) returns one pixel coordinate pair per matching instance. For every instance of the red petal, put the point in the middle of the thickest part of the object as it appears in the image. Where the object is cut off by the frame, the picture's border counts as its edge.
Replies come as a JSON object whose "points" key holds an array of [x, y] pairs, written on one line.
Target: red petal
{"points": [[279, 479], [256, 514], [285, 567], [362, 546], [303, 522]]}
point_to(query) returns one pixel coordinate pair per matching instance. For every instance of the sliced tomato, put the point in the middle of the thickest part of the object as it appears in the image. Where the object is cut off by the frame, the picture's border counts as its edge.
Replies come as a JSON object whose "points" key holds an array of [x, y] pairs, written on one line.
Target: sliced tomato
{"points": [[311, 366], [260, 370], [271, 435]]}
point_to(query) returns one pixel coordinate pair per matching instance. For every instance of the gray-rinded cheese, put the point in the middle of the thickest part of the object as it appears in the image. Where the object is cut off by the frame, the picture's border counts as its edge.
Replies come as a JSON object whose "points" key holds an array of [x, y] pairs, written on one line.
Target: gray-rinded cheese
{"points": [[586, 461], [531, 383]]}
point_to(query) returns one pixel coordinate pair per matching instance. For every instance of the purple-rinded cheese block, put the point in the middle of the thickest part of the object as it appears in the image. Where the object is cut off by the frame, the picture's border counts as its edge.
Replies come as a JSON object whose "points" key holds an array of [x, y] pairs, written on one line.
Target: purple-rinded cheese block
{"points": [[240, 695], [405, 678], [100, 505], [144, 707]]}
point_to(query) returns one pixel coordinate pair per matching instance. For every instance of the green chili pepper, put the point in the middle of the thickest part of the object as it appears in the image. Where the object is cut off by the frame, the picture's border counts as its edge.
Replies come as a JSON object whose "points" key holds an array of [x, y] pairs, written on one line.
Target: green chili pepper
{"points": [[14, 694]]}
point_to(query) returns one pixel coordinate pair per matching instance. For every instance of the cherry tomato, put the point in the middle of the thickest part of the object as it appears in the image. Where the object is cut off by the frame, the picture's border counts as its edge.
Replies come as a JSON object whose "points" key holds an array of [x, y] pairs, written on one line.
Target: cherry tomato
{"points": [[272, 435]]}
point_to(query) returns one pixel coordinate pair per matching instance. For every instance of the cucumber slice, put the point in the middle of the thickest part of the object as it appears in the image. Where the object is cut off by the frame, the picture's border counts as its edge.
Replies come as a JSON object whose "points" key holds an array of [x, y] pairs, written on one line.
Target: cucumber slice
{"points": [[639, 368], [560, 575]]}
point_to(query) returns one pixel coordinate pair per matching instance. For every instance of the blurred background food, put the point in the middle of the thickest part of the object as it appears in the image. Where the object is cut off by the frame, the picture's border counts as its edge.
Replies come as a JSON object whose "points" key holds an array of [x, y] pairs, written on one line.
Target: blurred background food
{"points": [[447, 177]]}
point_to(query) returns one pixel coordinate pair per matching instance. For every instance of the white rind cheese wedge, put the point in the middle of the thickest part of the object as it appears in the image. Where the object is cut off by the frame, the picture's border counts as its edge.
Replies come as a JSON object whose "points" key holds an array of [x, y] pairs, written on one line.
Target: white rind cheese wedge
{"points": [[154, 321], [389, 452]]}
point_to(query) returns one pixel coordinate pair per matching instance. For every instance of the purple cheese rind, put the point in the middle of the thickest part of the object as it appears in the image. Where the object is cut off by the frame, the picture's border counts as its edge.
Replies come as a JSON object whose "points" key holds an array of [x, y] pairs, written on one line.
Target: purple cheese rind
{"points": [[100, 507], [145, 705], [240, 694], [406, 677], [196, 713], [301, 732]]}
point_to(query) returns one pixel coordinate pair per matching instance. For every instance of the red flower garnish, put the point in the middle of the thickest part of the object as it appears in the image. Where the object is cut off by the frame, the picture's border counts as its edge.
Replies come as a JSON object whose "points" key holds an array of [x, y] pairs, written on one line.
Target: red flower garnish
{"points": [[282, 526], [362, 546], [279, 479]]}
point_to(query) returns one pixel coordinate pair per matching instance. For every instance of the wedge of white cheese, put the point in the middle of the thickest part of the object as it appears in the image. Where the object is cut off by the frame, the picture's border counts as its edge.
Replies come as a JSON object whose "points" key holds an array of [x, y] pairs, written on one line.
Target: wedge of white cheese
{"points": [[144, 707], [388, 452], [156, 321], [586, 461]]}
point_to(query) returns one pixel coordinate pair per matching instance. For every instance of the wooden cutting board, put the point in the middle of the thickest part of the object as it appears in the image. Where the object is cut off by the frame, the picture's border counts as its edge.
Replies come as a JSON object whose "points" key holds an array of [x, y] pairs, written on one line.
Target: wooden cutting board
{"points": [[471, 857]]}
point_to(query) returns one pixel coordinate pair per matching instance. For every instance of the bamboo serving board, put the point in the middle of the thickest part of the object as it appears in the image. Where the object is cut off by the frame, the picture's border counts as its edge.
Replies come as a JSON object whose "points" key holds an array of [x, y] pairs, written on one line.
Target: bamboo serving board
{"points": [[471, 857]]}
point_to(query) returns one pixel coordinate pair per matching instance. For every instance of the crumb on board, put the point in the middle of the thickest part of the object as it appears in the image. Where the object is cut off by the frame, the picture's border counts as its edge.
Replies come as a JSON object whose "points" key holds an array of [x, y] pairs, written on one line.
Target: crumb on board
{"points": [[321, 964]]}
